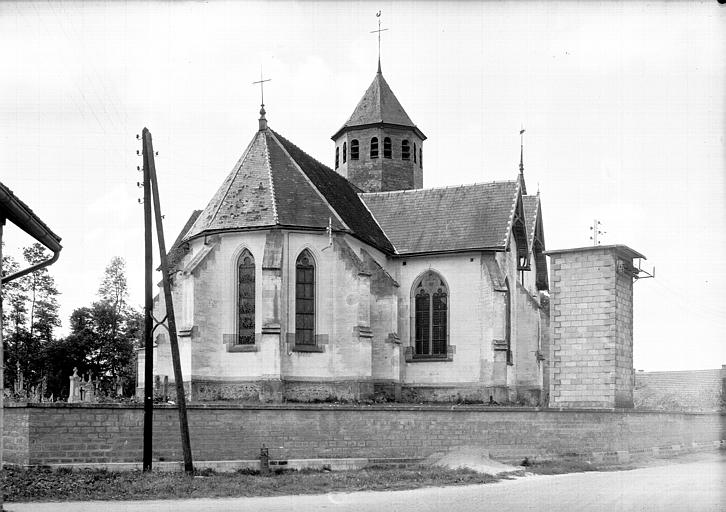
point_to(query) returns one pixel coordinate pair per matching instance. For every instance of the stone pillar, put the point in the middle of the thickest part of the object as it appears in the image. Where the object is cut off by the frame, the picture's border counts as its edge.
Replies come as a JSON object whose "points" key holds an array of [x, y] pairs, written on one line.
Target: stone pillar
{"points": [[591, 326], [270, 343]]}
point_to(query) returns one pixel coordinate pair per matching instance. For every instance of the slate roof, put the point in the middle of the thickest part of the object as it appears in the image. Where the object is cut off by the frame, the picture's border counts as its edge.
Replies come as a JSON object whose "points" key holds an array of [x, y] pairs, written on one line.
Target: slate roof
{"points": [[532, 218], [531, 207], [379, 105], [177, 252], [460, 218], [275, 183]]}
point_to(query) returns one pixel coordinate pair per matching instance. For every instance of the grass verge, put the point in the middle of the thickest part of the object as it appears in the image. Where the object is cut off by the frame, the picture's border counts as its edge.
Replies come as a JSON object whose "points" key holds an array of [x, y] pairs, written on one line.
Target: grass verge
{"points": [[569, 465], [38, 484]]}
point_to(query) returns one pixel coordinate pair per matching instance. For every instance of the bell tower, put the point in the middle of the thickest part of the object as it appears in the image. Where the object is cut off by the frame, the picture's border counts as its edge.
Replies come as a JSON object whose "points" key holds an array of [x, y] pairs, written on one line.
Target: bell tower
{"points": [[379, 149]]}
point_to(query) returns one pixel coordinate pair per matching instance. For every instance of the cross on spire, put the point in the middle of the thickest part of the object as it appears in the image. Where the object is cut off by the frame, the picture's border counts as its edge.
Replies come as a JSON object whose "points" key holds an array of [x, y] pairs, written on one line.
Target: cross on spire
{"points": [[378, 15], [261, 81]]}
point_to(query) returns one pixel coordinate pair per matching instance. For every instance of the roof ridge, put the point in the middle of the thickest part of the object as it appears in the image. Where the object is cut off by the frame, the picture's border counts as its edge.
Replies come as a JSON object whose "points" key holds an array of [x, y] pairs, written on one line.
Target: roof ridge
{"points": [[510, 222], [272, 184], [307, 178], [395, 251], [235, 171], [299, 149], [443, 187]]}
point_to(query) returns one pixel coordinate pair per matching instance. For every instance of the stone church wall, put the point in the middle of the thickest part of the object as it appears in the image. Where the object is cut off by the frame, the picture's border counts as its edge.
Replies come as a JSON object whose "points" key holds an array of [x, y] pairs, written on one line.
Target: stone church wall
{"points": [[343, 369], [363, 325], [527, 360], [463, 377], [381, 174]]}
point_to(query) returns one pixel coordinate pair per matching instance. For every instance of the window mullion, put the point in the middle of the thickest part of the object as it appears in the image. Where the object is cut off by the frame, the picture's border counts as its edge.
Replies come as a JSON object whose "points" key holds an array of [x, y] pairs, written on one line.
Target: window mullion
{"points": [[431, 324]]}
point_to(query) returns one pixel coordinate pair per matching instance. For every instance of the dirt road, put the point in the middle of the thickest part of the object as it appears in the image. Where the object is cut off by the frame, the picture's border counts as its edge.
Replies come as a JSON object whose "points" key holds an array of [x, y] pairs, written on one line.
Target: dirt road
{"points": [[677, 486]]}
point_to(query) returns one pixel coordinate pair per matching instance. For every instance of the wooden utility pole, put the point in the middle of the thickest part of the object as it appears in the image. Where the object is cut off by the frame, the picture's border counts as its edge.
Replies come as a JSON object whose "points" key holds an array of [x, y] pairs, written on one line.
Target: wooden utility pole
{"points": [[2, 370], [171, 321], [148, 319]]}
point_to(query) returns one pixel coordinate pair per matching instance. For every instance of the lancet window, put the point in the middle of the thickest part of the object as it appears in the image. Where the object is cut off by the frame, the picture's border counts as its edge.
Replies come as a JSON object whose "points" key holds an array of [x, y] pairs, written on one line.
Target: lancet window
{"points": [[246, 299], [431, 309], [305, 299]]}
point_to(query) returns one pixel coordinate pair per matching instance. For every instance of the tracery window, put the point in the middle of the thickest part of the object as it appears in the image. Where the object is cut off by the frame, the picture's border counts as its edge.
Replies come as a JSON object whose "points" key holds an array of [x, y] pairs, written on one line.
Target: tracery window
{"points": [[246, 299], [387, 147], [405, 150], [354, 149], [337, 156], [431, 316], [374, 147], [345, 152], [305, 299]]}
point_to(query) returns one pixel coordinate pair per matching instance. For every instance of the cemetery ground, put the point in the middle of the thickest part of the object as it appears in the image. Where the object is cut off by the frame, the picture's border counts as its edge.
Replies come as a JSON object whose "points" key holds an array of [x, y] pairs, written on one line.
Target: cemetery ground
{"points": [[58, 485]]}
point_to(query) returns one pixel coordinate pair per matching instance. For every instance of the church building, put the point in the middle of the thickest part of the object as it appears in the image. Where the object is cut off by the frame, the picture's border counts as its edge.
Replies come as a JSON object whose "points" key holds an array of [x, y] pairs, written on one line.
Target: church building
{"points": [[302, 282]]}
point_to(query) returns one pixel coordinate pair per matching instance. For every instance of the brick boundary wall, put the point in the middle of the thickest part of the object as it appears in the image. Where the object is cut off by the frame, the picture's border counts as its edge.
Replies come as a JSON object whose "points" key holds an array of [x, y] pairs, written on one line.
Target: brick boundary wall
{"points": [[684, 390], [37, 434]]}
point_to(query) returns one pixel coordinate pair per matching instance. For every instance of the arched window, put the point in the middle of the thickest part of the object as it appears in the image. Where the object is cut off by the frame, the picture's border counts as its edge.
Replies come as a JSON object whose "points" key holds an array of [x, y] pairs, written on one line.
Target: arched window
{"points": [[405, 150], [345, 152], [431, 316], [374, 147], [414, 152], [337, 156], [387, 147], [508, 321], [246, 299], [305, 299], [420, 157], [354, 149]]}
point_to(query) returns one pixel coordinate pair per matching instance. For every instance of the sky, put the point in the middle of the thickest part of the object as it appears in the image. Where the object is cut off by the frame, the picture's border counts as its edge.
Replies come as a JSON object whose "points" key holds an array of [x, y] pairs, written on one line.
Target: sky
{"points": [[623, 105]]}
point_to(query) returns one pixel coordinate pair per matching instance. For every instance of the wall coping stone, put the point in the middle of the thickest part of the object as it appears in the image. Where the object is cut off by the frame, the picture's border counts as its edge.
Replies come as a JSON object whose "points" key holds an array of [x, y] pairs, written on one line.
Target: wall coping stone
{"points": [[361, 407]]}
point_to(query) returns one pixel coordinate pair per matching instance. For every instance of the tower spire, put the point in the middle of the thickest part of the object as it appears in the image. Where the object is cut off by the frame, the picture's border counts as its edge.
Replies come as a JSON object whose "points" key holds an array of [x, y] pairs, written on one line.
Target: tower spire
{"points": [[521, 150], [261, 81], [378, 15], [520, 178]]}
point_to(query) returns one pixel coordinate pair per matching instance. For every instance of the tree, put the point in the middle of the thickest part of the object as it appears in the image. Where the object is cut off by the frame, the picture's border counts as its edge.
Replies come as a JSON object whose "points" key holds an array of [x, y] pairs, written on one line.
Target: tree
{"points": [[32, 315], [43, 295], [113, 289], [102, 337]]}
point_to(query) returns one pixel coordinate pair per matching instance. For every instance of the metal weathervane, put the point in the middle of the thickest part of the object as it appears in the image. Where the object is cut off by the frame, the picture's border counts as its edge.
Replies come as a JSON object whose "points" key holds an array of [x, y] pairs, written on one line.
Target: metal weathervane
{"points": [[378, 15]]}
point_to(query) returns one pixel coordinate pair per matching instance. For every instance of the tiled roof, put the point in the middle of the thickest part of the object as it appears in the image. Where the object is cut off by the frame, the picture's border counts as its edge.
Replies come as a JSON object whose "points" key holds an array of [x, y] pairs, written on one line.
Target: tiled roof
{"points": [[275, 183], [531, 206], [445, 219], [378, 105], [176, 253], [341, 195]]}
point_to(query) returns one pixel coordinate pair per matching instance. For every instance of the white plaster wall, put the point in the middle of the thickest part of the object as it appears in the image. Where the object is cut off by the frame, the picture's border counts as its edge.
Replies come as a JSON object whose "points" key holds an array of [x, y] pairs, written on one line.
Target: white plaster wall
{"points": [[215, 308], [467, 312], [344, 356]]}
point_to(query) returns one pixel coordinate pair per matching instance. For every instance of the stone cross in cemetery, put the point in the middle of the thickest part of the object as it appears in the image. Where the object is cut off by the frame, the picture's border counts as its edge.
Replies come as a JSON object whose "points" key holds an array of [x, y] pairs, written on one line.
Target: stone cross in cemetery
{"points": [[74, 390]]}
